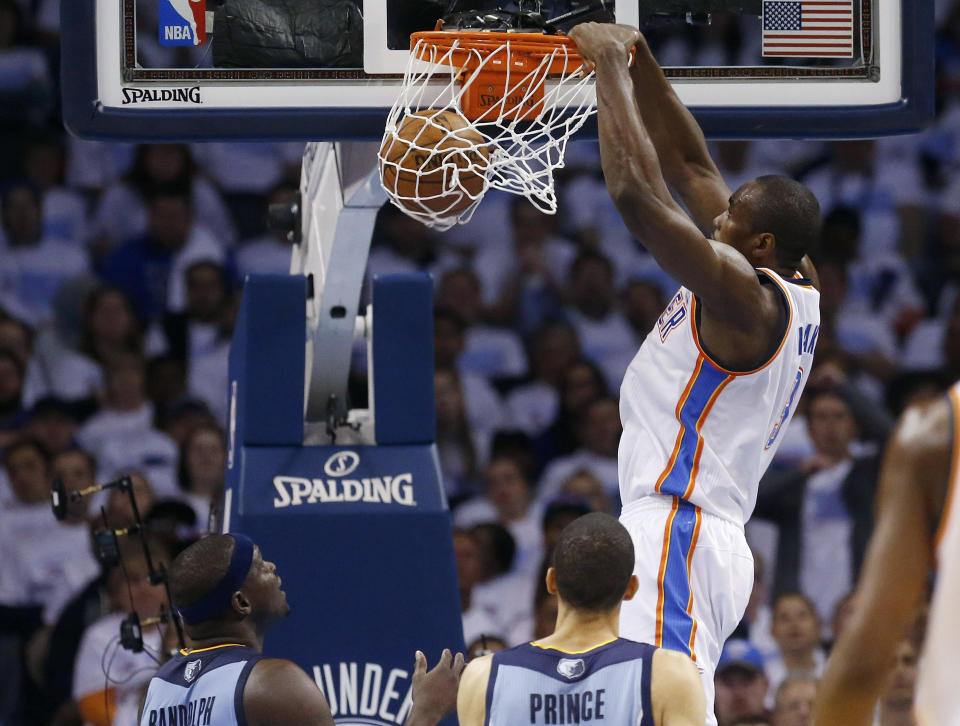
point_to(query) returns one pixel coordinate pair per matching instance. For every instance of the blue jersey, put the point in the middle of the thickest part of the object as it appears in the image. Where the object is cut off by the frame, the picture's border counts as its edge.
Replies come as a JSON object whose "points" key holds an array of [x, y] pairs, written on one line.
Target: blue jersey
{"points": [[200, 688], [608, 684]]}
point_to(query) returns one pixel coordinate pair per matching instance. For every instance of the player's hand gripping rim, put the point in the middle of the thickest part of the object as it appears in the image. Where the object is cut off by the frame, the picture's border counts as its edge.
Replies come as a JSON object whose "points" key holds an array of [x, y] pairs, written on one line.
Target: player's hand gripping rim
{"points": [[597, 41]]}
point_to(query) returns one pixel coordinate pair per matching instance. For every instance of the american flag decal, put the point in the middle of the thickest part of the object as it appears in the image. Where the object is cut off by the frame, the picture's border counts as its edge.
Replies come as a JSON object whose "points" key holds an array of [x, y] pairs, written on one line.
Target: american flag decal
{"points": [[808, 28]]}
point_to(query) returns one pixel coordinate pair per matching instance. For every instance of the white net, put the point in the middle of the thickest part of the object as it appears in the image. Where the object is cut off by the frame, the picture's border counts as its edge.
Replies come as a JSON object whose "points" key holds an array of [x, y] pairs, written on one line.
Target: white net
{"points": [[469, 118]]}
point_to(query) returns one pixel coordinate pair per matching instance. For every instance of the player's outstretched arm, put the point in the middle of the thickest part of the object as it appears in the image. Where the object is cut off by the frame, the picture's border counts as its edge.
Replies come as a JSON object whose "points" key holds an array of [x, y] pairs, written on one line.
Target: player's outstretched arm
{"points": [[471, 701], [280, 693], [678, 140], [676, 694], [895, 570], [434, 691], [718, 274]]}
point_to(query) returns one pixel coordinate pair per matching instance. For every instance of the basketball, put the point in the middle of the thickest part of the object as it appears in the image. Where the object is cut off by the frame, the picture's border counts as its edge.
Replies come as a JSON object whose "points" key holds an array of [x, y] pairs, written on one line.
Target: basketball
{"points": [[434, 162]]}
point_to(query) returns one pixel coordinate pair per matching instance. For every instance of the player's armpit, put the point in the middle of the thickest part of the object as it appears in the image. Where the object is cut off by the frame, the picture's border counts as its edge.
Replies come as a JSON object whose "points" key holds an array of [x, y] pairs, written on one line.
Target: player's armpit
{"points": [[280, 693], [894, 575], [471, 700], [676, 694]]}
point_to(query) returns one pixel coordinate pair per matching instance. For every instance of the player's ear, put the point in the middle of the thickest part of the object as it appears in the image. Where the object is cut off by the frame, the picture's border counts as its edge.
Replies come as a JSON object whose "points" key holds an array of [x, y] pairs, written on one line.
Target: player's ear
{"points": [[633, 584], [551, 580], [240, 603], [764, 245]]}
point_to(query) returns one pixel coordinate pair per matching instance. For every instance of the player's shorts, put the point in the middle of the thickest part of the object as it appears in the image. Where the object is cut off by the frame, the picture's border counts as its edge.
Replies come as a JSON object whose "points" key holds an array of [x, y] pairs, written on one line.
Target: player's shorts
{"points": [[696, 574]]}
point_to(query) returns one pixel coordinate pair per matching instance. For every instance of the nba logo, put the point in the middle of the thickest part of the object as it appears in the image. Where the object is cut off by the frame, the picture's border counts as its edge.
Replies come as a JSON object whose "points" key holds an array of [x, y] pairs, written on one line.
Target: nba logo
{"points": [[182, 22]]}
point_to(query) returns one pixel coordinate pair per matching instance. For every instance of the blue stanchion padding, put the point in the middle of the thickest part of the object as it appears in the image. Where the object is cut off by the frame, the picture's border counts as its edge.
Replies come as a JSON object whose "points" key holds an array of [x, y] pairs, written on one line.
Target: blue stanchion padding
{"points": [[361, 539], [403, 359], [267, 362]]}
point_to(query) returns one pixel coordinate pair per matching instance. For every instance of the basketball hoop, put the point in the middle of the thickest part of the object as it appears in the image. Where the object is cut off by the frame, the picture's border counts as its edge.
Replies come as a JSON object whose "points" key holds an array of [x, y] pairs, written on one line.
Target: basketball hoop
{"points": [[521, 95]]}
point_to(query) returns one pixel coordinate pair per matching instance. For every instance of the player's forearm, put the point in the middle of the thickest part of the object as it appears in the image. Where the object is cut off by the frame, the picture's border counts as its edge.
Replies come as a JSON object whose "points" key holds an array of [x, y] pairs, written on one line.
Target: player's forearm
{"points": [[675, 133], [630, 165], [631, 169], [851, 684]]}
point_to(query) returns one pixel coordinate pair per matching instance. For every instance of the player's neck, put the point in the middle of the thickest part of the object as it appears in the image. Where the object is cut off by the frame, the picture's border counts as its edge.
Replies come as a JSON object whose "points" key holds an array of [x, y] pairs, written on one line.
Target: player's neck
{"points": [[579, 630], [229, 636]]}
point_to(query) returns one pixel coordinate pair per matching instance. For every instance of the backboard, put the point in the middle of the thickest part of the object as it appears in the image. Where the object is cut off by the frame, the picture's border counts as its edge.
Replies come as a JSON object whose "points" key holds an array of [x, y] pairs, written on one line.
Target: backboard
{"points": [[141, 70]]}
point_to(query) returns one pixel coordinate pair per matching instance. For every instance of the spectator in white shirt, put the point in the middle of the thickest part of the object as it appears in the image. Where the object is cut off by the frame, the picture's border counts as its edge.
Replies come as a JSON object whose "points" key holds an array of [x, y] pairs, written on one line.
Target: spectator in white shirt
{"points": [[200, 334], [26, 87], [507, 500], [522, 277], [476, 620], [588, 487], [599, 435], [33, 266], [54, 423], [202, 473], [796, 628], [582, 383], [150, 268], [605, 336], [462, 450], [45, 562], [896, 703], [532, 407], [483, 405], [489, 351], [123, 209], [64, 209], [122, 436], [794, 702]]}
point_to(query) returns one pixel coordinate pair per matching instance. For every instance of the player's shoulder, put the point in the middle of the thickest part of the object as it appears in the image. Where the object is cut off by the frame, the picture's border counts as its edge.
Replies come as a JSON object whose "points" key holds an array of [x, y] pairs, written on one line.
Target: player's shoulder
{"points": [[673, 667], [477, 672], [272, 678], [675, 689], [278, 691]]}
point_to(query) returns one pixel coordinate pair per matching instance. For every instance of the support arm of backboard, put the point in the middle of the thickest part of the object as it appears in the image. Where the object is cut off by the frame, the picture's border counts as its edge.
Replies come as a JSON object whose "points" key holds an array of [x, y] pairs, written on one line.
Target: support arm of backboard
{"points": [[340, 197]]}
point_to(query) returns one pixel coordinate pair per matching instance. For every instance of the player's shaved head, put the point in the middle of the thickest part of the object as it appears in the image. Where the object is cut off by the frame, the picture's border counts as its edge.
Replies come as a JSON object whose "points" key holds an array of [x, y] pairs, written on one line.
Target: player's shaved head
{"points": [[790, 212], [593, 562], [198, 569]]}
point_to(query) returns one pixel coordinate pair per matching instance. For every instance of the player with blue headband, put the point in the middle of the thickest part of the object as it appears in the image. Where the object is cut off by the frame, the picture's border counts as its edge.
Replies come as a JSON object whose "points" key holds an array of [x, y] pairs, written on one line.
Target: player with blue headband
{"points": [[228, 597]]}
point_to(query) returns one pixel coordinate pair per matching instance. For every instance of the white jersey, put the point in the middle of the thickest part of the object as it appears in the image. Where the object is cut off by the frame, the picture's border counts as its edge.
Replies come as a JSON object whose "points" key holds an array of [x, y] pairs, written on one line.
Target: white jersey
{"points": [[695, 430], [938, 699]]}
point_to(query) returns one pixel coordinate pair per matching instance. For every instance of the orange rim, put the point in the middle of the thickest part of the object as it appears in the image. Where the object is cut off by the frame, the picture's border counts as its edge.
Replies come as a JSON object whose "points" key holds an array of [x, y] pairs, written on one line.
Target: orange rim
{"points": [[473, 43], [534, 56]]}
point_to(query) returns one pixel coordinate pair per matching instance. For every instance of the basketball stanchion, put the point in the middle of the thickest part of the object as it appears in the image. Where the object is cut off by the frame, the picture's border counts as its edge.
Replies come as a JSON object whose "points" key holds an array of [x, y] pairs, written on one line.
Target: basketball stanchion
{"points": [[481, 109]]}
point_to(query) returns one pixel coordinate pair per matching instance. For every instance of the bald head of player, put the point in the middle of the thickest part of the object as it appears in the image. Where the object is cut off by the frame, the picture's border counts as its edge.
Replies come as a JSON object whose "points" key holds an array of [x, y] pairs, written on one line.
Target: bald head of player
{"points": [[592, 568], [224, 588]]}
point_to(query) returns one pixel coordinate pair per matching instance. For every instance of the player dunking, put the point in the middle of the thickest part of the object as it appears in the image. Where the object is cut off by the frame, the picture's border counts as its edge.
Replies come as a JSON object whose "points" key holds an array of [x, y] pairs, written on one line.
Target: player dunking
{"points": [[918, 527], [705, 400], [584, 672]]}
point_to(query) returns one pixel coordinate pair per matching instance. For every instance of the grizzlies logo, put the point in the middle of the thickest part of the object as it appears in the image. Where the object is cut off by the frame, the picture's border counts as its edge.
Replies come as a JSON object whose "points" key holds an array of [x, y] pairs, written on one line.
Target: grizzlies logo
{"points": [[571, 668]]}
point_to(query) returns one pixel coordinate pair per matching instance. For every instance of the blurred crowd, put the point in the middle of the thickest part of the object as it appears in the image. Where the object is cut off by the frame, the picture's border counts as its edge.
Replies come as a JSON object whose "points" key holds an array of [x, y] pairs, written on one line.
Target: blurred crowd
{"points": [[120, 270]]}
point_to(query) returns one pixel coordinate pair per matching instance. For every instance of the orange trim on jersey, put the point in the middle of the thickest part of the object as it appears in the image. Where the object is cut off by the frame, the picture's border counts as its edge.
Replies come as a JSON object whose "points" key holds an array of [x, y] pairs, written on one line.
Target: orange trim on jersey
{"points": [[954, 468], [676, 446], [693, 545], [667, 530], [786, 333], [696, 456]]}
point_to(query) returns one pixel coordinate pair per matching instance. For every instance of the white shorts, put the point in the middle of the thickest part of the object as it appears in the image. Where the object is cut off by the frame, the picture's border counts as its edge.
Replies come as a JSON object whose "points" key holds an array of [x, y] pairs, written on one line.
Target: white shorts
{"points": [[696, 574]]}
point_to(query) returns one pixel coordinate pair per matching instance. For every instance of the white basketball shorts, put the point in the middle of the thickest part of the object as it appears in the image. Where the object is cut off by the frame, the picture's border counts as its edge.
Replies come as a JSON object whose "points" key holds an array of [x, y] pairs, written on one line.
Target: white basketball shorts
{"points": [[696, 574]]}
